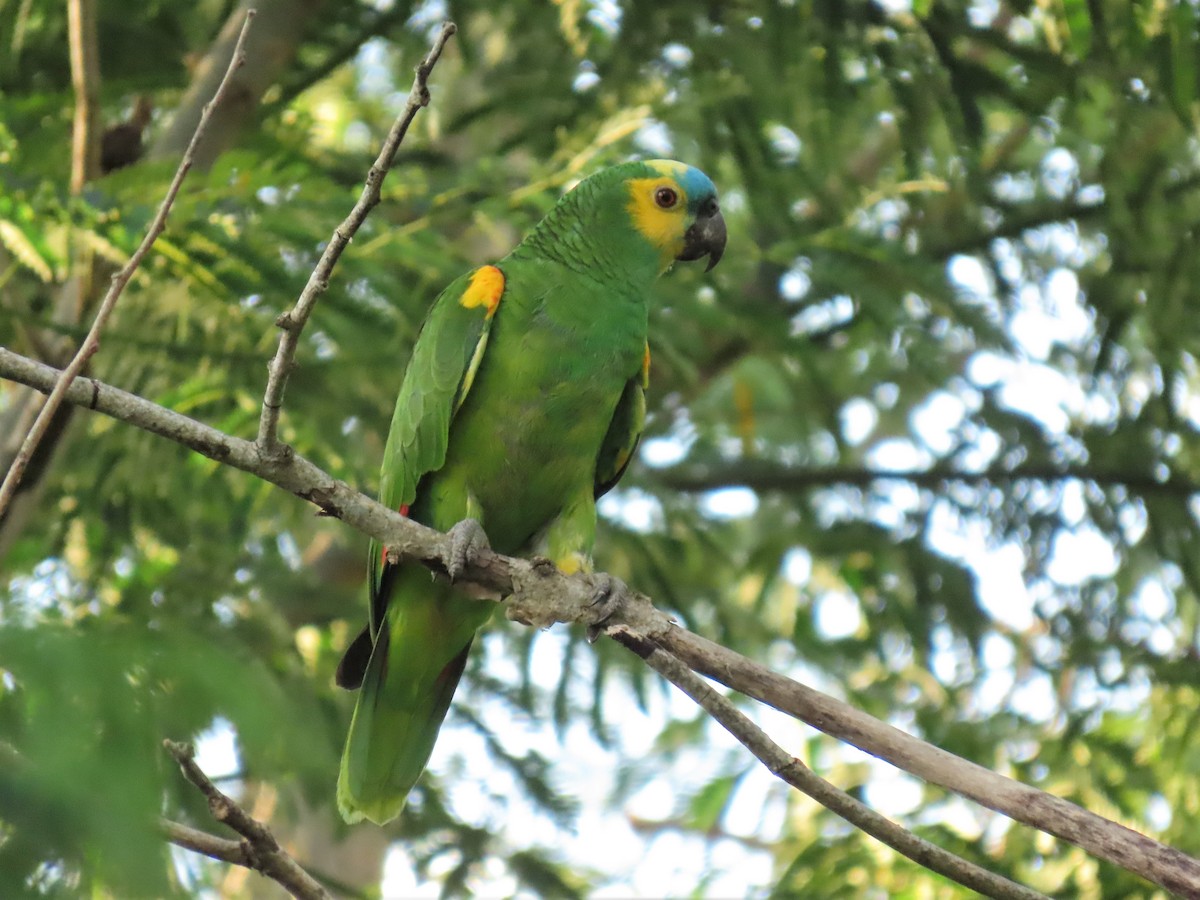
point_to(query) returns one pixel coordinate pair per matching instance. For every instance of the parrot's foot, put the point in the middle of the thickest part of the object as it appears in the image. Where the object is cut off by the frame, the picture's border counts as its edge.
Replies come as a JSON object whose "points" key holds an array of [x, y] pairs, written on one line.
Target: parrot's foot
{"points": [[610, 595], [543, 566], [467, 542]]}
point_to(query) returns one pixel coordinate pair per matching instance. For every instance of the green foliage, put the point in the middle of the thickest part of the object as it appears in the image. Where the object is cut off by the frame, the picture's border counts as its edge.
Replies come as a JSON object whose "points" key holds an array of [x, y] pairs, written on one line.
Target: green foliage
{"points": [[961, 238]]}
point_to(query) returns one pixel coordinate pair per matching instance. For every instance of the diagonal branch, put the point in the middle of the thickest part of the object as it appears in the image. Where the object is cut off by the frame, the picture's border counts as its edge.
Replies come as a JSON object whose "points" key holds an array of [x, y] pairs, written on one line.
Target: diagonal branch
{"points": [[292, 322], [91, 343], [258, 848], [791, 770], [1101, 837], [541, 596], [761, 475]]}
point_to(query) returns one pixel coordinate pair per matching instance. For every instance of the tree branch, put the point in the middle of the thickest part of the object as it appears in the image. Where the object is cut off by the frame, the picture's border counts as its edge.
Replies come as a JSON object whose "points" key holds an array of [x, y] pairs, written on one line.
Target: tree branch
{"points": [[760, 475], [540, 596], [92, 342], [791, 770], [292, 322], [218, 848], [85, 80], [1101, 837], [258, 848], [279, 31]]}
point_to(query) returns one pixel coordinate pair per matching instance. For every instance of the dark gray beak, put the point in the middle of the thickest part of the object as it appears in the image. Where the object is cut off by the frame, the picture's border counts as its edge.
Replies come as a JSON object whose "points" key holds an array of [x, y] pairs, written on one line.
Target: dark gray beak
{"points": [[706, 236]]}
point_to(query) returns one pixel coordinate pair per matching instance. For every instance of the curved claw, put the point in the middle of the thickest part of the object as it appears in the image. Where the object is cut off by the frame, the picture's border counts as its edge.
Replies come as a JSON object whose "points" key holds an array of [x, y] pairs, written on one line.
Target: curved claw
{"points": [[610, 595], [467, 541]]}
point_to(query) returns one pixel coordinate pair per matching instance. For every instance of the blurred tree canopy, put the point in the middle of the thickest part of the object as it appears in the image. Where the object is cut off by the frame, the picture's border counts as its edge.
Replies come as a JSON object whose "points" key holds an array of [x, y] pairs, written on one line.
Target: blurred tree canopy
{"points": [[926, 439]]}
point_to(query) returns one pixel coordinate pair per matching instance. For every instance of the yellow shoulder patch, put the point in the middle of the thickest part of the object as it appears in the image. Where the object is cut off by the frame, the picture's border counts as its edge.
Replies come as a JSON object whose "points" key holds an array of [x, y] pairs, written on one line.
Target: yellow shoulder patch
{"points": [[646, 367], [485, 289]]}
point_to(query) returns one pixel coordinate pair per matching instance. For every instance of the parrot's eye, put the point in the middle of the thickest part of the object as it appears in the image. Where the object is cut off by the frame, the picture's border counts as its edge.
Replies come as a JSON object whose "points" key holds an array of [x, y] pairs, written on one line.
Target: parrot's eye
{"points": [[666, 197]]}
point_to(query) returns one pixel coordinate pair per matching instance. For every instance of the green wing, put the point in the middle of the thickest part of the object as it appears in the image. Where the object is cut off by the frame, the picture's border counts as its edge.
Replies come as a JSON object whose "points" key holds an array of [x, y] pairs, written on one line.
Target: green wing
{"points": [[440, 372], [624, 432]]}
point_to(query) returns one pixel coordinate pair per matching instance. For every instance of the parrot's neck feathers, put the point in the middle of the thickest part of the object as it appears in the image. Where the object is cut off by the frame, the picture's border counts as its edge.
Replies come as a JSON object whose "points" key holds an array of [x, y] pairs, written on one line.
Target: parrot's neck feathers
{"points": [[591, 235]]}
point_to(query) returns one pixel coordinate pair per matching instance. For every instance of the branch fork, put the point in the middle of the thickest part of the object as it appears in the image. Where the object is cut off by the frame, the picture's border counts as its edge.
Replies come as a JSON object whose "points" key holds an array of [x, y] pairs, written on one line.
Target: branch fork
{"points": [[258, 849]]}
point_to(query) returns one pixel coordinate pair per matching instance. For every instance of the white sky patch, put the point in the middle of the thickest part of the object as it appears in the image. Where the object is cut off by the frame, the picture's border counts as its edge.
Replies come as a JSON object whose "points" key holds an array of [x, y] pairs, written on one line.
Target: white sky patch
{"points": [[677, 55], [1051, 313], [837, 614], [730, 503], [635, 509], [1032, 697], [1080, 555], [993, 691], [1153, 601], [937, 420], [1158, 813], [373, 70], [998, 569], [892, 792], [654, 138], [1071, 321], [968, 274], [997, 651], [399, 879], [606, 15], [822, 316], [858, 419], [664, 451], [1001, 587], [587, 77], [798, 566], [897, 455], [795, 283], [1041, 393], [786, 144], [1060, 173], [216, 750]]}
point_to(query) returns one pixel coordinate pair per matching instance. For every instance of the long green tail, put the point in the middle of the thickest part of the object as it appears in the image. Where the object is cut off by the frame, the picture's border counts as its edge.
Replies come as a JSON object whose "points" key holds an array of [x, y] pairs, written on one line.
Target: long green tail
{"points": [[415, 665]]}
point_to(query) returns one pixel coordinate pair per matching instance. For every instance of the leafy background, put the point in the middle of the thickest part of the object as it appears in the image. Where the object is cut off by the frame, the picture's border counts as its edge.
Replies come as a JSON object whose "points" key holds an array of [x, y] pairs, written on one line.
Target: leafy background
{"points": [[926, 439]]}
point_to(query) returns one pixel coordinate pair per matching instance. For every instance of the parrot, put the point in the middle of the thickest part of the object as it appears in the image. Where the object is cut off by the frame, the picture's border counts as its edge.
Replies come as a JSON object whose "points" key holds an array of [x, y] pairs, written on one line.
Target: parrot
{"points": [[522, 403]]}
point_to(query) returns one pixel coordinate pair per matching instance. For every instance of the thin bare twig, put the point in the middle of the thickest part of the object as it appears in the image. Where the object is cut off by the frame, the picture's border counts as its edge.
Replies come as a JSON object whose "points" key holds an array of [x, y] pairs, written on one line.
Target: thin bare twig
{"points": [[258, 850], [218, 848], [91, 343], [292, 322], [791, 770], [541, 596]]}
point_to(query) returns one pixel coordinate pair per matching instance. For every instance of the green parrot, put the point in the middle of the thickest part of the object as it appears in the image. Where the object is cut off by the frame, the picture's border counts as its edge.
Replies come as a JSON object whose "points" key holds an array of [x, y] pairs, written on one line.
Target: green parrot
{"points": [[522, 403]]}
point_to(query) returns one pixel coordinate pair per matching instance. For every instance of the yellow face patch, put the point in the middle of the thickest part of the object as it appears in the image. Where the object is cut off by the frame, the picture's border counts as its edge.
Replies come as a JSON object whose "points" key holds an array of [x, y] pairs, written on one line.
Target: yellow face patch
{"points": [[663, 228], [485, 289]]}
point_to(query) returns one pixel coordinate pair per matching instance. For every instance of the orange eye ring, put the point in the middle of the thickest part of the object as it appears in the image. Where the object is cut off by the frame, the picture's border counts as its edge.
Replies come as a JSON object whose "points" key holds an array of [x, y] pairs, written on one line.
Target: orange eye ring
{"points": [[666, 197]]}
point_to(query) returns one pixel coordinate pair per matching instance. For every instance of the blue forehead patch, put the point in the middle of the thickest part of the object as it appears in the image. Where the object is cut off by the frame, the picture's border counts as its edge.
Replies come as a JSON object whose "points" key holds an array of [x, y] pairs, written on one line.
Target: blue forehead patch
{"points": [[697, 185]]}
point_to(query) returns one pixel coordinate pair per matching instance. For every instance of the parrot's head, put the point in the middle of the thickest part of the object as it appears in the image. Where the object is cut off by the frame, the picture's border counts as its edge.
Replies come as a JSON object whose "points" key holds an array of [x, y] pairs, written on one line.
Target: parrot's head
{"points": [[674, 207], [636, 218]]}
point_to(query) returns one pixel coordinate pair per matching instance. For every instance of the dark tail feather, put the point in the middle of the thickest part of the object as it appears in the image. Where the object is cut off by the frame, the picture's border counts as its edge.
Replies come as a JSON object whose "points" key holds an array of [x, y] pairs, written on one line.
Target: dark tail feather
{"points": [[353, 667]]}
